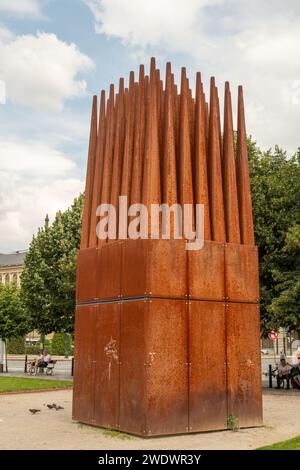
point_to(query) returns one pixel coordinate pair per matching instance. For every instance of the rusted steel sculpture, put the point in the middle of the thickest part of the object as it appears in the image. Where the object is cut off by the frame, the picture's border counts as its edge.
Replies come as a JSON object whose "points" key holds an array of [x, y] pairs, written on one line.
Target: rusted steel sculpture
{"points": [[167, 340]]}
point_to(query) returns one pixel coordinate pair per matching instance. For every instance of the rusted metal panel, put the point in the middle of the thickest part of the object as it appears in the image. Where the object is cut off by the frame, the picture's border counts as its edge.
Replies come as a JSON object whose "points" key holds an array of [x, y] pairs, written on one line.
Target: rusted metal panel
{"points": [[107, 351], [167, 268], [166, 366], [84, 371], [109, 271], [243, 363], [86, 275], [241, 271], [207, 366], [132, 367], [134, 264], [154, 268], [206, 275]]}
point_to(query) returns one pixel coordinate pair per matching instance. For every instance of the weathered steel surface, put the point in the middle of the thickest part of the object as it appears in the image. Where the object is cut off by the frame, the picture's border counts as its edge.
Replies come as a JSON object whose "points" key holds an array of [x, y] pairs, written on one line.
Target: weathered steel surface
{"points": [[206, 277], [86, 216], [166, 365], [99, 156], [169, 182], [241, 269], [185, 183], [166, 268], [107, 357], [207, 366], [157, 145], [151, 188], [200, 161], [134, 268], [86, 275], [84, 371], [216, 202], [109, 271], [243, 180], [154, 268], [132, 367], [243, 363], [229, 174]]}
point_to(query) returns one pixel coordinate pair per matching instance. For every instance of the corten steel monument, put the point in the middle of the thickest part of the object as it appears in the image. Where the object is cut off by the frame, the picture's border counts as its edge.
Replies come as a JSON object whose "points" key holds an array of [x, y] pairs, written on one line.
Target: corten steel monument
{"points": [[167, 340]]}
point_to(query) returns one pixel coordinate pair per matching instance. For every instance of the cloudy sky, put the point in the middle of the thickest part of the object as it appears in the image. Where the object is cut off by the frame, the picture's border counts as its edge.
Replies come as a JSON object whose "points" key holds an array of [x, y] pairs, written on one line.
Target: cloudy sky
{"points": [[55, 54]]}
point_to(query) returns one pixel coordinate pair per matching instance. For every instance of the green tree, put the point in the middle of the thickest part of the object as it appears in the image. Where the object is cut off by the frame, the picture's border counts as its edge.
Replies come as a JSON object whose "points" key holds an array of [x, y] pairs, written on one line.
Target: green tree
{"points": [[13, 318], [48, 278], [58, 344], [286, 306], [275, 186], [16, 345]]}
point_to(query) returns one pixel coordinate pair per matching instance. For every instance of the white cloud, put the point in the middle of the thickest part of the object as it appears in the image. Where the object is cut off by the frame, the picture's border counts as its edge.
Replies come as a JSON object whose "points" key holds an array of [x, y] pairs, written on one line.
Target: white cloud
{"points": [[31, 8], [5, 34], [41, 71], [35, 179], [254, 43], [33, 159]]}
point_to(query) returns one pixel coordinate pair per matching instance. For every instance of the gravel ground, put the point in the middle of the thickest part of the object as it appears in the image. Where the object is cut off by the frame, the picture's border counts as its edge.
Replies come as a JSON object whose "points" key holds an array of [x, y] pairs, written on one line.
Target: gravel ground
{"points": [[51, 429]]}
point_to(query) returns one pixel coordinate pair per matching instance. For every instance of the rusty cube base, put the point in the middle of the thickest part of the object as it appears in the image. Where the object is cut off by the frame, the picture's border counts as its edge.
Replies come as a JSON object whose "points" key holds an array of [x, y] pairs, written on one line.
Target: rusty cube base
{"points": [[151, 360]]}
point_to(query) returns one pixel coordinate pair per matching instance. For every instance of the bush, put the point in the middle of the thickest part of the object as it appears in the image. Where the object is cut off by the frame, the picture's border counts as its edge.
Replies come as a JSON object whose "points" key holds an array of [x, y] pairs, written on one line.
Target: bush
{"points": [[16, 345], [58, 345]]}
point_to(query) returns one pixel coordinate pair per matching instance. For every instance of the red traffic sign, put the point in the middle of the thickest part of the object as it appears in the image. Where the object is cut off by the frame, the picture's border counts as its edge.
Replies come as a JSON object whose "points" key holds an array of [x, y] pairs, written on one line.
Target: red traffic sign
{"points": [[273, 335]]}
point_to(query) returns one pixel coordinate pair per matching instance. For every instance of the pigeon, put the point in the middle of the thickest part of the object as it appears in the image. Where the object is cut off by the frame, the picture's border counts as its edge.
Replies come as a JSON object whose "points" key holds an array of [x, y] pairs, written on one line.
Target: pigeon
{"points": [[34, 411], [59, 408]]}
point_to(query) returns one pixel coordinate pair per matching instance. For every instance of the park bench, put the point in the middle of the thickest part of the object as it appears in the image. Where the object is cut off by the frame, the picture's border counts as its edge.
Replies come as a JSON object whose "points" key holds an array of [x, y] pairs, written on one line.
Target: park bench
{"points": [[31, 370]]}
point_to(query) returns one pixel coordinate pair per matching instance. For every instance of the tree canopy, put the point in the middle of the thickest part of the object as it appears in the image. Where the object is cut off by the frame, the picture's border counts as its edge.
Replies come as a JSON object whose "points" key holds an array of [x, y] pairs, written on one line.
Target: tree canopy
{"points": [[48, 278], [13, 318], [275, 186]]}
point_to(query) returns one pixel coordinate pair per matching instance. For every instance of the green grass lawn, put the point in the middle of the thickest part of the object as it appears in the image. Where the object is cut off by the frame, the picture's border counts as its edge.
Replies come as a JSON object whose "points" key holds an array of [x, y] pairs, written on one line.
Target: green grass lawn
{"points": [[291, 444], [14, 384]]}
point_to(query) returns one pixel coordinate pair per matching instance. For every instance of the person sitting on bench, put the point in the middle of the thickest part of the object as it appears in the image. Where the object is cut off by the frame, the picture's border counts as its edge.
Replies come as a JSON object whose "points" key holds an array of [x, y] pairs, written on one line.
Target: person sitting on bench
{"points": [[46, 358], [283, 373]]}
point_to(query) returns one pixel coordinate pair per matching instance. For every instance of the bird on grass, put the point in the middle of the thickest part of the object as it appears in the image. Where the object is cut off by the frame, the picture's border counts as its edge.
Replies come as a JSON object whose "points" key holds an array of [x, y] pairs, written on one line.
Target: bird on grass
{"points": [[34, 411]]}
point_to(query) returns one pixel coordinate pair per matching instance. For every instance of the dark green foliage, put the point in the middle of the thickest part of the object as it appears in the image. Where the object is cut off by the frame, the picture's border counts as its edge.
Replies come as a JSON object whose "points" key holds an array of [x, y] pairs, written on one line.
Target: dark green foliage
{"points": [[13, 319], [275, 185], [16, 345], [48, 279], [58, 344]]}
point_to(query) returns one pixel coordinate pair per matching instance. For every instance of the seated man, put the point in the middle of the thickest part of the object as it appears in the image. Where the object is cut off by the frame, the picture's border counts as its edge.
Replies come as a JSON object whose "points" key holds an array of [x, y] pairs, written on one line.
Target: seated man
{"points": [[283, 372]]}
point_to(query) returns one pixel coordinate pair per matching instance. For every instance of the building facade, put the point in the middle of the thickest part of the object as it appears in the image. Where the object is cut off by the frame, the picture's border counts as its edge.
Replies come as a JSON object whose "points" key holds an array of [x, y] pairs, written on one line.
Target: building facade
{"points": [[11, 267]]}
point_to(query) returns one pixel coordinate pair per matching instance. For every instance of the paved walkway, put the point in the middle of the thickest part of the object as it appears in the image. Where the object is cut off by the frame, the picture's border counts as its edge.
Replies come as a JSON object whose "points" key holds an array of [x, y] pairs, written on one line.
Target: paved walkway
{"points": [[19, 429]]}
